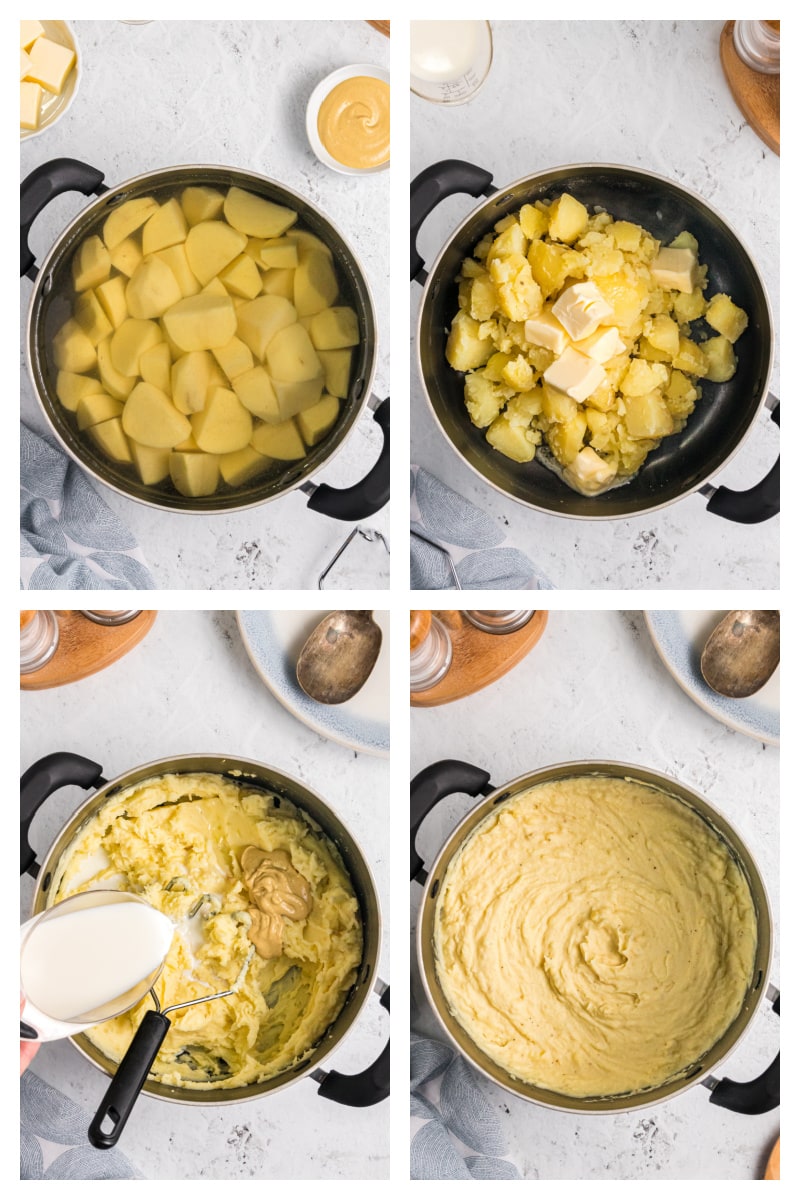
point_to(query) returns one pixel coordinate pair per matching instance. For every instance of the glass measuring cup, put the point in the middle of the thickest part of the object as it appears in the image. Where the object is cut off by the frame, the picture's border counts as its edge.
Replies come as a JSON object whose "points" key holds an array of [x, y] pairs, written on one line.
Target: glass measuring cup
{"points": [[449, 59]]}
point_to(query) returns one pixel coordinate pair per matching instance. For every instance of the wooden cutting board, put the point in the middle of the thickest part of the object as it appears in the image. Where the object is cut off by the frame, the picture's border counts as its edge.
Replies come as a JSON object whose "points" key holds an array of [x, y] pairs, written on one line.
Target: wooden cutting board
{"points": [[84, 648], [773, 1169], [478, 658], [758, 95]]}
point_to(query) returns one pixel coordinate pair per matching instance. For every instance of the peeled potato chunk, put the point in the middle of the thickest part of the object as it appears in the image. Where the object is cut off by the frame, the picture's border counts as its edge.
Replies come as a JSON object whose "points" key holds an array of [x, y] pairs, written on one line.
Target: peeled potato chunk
{"points": [[255, 216], [126, 219], [151, 462], [259, 320], [155, 366], [291, 356], [315, 422], [277, 252], [334, 328], [201, 204], [242, 277], [234, 357], [201, 322], [72, 349], [111, 296], [97, 407], [111, 439], [223, 425], [279, 441], [255, 391], [71, 388], [336, 365], [175, 258], [315, 283], [152, 289], [240, 466], [191, 376], [194, 474], [91, 264], [151, 418], [165, 227], [210, 246], [130, 341], [279, 281], [114, 382], [90, 316], [294, 397]]}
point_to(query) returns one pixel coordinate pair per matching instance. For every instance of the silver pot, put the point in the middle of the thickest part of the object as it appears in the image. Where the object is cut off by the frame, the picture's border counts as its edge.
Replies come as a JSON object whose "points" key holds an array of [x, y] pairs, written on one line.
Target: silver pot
{"points": [[49, 307], [61, 770], [683, 463], [449, 777]]}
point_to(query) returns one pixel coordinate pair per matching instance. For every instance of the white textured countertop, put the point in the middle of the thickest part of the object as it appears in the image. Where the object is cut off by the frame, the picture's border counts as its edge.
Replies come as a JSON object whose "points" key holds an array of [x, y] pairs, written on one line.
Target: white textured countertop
{"points": [[648, 94], [189, 687], [232, 93], [594, 687]]}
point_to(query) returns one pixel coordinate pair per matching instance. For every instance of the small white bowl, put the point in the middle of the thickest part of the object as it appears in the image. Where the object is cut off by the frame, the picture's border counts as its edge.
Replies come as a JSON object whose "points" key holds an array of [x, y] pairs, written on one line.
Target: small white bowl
{"points": [[323, 88], [54, 107]]}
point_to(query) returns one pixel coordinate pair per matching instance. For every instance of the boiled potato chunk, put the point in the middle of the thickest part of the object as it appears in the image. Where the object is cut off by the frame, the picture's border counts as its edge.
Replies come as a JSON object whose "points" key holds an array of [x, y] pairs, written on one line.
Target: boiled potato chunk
{"points": [[155, 366], [152, 289], [191, 377], [72, 349], [201, 203], [294, 397], [291, 356], [129, 342], [279, 252], [484, 398], [335, 328], [71, 388], [201, 322], [223, 425], [210, 247], [642, 377], [726, 317], [255, 216], [242, 277], [647, 416], [279, 441], [114, 382], [720, 359], [97, 407], [91, 317], [111, 439], [151, 418], [126, 219], [317, 421], [234, 357], [315, 284], [240, 466], [515, 441], [255, 391], [568, 219], [336, 365], [194, 474], [91, 264], [111, 296], [466, 347], [151, 462], [166, 227], [260, 319]]}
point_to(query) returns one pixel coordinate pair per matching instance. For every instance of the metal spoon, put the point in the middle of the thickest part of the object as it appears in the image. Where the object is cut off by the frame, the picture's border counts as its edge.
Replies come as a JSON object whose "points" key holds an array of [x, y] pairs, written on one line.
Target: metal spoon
{"points": [[338, 656], [742, 652]]}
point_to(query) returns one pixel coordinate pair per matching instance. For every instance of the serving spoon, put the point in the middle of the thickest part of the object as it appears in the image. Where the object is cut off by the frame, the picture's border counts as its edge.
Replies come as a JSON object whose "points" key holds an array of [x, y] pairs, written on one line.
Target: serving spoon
{"points": [[338, 656], [742, 652]]}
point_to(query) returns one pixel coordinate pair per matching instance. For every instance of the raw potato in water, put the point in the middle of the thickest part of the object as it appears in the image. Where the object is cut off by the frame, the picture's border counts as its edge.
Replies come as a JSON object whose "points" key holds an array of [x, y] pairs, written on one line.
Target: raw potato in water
{"points": [[576, 335], [594, 937], [179, 841]]}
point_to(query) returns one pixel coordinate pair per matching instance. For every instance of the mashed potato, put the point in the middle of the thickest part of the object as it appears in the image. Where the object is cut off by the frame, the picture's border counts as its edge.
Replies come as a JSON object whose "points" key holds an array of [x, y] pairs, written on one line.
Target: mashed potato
{"points": [[177, 840], [594, 937]]}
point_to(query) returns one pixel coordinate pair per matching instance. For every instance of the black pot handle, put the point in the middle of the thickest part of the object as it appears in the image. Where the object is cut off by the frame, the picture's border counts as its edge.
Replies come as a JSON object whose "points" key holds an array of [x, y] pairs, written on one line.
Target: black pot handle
{"points": [[755, 504], [755, 1096], [46, 776], [43, 184], [131, 1076], [368, 1087], [366, 497], [435, 184], [432, 784]]}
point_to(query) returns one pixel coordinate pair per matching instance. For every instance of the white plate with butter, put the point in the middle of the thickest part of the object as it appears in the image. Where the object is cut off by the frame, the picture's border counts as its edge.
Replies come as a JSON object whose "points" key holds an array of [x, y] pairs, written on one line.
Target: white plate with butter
{"points": [[679, 638], [273, 641], [55, 38]]}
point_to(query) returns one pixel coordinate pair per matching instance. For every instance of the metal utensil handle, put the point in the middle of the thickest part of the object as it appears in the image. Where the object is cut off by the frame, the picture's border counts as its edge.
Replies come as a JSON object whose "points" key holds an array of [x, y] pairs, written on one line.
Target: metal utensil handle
{"points": [[364, 1089], [131, 1075], [753, 1096], [445, 778], [36, 191], [435, 184], [369, 495], [755, 504], [44, 777]]}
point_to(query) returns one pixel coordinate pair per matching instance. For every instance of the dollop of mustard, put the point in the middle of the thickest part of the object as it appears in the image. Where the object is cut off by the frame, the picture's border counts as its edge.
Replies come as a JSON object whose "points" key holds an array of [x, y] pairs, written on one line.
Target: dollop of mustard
{"points": [[353, 122]]}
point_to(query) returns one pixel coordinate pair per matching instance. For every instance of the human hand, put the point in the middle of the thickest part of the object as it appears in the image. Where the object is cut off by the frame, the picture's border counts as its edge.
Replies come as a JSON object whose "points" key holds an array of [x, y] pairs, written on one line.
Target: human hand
{"points": [[27, 1050]]}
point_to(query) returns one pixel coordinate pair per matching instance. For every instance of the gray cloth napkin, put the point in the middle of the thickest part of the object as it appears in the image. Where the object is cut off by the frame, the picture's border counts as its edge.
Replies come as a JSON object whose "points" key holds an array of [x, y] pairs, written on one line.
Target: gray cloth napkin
{"points": [[480, 552], [53, 1141], [69, 537], [450, 1117]]}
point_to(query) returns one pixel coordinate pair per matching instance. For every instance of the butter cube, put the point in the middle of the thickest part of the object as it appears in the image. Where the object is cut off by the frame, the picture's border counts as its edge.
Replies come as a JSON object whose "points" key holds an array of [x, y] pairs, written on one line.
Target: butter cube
{"points": [[580, 309], [589, 473], [675, 268], [546, 331], [602, 345], [575, 374], [24, 63], [30, 105], [29, 31], [51, 63]]}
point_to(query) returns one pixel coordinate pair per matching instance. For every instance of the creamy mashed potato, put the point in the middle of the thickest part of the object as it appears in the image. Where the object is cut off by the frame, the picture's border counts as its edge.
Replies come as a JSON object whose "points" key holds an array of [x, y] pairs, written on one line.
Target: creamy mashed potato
{"points": [[177, 841], [594, 936]]}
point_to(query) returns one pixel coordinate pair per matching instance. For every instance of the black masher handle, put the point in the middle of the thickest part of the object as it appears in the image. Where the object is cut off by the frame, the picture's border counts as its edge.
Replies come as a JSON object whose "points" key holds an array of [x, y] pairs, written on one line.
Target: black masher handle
{"points": [[131, 1076]]}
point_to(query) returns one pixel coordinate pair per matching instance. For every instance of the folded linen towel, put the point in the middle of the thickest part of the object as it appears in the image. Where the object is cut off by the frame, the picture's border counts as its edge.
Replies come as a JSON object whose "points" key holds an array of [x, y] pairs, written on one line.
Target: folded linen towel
{"points": [[444, 523], [53, 1141], [69, 537]]}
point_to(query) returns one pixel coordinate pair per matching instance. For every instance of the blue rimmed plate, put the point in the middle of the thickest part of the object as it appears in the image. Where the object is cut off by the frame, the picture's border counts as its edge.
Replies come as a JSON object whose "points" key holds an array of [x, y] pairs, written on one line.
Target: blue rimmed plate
{"points": [[679, 638], [274, 640]]}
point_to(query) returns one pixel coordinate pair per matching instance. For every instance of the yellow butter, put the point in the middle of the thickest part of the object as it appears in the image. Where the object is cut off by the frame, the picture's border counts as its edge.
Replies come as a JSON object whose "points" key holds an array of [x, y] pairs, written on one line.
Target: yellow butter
{"points": [[30, 104], [29, 31], [24, 63], [50, 64]]}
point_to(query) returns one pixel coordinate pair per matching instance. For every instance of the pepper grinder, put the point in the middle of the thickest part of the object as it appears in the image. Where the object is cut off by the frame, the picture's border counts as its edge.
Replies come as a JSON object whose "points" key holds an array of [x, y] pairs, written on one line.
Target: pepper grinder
{"points": [[431, 650]]}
